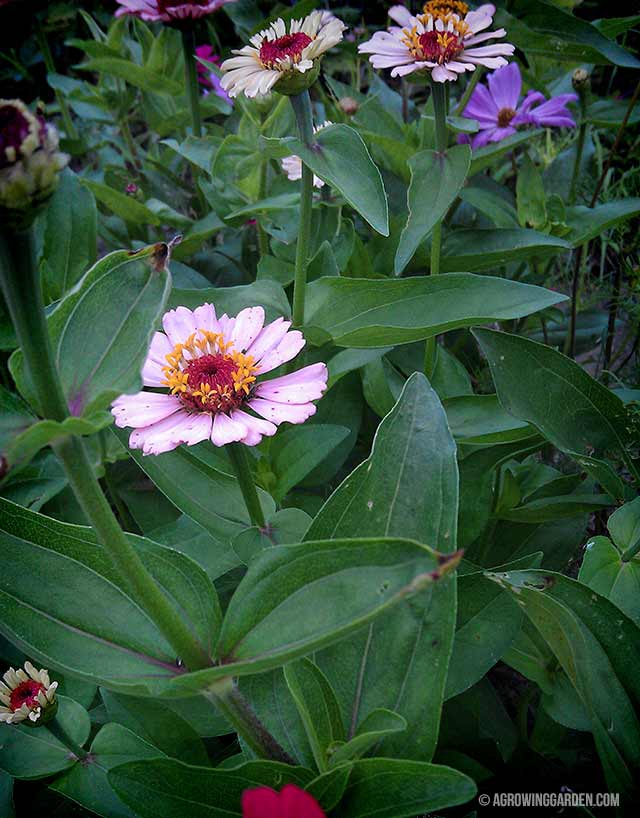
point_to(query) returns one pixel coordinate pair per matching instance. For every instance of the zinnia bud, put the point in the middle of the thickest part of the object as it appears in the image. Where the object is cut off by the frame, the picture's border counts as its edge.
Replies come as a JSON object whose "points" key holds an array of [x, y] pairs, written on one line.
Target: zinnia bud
{"points": [[29, 159], [581, 81], [27, 696], [349, 106]]}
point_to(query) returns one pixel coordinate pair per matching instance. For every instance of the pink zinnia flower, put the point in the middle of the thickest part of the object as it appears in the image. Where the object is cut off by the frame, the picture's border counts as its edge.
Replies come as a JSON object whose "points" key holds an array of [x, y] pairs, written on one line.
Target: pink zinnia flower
{"points": [[442, 42], [290, 802], [497, 109], [168, 11], [209, 79], [213, 368]]}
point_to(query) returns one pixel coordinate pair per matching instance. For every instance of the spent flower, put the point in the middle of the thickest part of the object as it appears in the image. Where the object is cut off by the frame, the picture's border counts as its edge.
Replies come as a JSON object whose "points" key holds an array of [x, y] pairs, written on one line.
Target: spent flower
{"points": [[169, 11], [29, 157], [284, 57], [212, 369], [445, 40], [290, 802], [27, 696]]}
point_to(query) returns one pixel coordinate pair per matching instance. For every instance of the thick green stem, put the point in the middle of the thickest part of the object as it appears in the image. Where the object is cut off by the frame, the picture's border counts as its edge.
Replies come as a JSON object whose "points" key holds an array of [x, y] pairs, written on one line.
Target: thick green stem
{"points": [[304, 117], [69, 127], [57, 730], [240, 714], [191, 78], [440, 110], [240, 462]]}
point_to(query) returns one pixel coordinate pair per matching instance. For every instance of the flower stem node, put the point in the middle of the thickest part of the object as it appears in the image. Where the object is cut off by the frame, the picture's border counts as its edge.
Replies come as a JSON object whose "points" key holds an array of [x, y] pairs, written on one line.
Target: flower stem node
{"points": [[27, 697], [29, 161]]}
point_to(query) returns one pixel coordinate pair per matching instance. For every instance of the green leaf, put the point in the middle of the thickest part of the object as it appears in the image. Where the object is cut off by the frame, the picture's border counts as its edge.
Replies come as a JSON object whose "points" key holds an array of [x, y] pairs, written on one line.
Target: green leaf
{"points": [[69, 236], [101, 331], [286, 527], [588, 222], [603, 570], [171, 789], [436, 181], [610, 113], [87, 783], [140, 77], [340, 157], [200, 151], [481, 420], [483, 158], [40, 434], [602, 472], [317, 706], [152, 721], [15, 419], [328, 788], [377, 725], [598, 648], [27, 753], [209, 496], [554, 508], [624, 525], [408, 486], [485, 249], [571, 409], [122, 205], [366, 313], [532, 211], [393, 788], [91, 628], [232, 300], [540, 28]]}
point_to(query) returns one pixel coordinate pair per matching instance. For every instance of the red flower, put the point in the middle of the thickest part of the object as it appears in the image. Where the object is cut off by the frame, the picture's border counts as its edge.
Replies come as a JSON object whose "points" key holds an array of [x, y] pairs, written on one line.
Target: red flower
{"points": [[290, 802]]}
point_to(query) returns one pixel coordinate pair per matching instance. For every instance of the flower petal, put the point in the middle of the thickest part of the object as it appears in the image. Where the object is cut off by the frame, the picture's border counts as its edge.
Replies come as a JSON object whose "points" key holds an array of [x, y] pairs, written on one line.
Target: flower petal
{"points": [[179, 324], [226, 430], [161, 346], [204, 317], [305, 385], [270, 337], [287, 349], [248, 326], [505, 85], [143, 409], [282, 412], [256, 427], [296, 803], [163, 436], [261, 803]]}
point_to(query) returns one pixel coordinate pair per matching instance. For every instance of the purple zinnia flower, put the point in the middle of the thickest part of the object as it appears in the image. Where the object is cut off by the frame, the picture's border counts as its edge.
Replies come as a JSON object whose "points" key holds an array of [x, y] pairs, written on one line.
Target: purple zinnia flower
{"points": [[497, 108], [209, 79]]}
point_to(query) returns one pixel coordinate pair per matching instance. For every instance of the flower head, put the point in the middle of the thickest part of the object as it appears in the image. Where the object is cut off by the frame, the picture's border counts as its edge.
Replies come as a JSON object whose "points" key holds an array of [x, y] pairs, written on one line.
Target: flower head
{"points": [[209, 80], [27, 695], [169, 11], [283, 57], [290, 802], [440, 41], [292, 165], [497, 108], [29, 157], [212, 369]]}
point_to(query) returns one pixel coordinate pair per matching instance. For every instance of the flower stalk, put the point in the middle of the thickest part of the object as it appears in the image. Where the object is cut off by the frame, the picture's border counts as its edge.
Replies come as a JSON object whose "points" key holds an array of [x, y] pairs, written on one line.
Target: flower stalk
{"points": [[304, 117], [440, 111], [191, 78], [240, 462]]}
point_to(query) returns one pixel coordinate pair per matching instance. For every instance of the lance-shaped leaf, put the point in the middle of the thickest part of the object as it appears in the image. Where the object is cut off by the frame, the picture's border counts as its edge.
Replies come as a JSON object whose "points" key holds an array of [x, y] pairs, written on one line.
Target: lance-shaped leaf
{"points": [[269, 294], [571, 409], [436, 181], [588, 222], [171, 789], [486, 249], [295, 599], [101, 331], [598, 648], [408, 486], [361, 312], [91, 627], [377, 725], [340, 157]]}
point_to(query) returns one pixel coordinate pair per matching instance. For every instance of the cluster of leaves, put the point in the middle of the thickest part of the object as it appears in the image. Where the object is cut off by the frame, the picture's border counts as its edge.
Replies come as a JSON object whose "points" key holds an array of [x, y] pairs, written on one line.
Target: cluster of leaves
{"points": [[397, 674]]}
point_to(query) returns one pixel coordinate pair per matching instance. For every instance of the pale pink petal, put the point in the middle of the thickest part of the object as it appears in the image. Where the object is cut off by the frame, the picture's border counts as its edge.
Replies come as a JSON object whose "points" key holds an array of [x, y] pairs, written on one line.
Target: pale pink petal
{"points": [[256, 427], [282, 412], [226, 325], [196, 430], [179, 325], [143, 409], [204, 317], [248, 326], [401, 15], [287, 349], [161, 346], [226, 430], [481, 38], [305, 385], [441, 74], [499, 49], [160, 437], [478, 21], [270, 336]]}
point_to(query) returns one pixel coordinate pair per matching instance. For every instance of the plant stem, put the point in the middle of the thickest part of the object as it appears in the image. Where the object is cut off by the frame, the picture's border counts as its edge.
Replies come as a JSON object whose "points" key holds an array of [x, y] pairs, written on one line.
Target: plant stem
{"points": [[578, 162], [263, 239], [304, 117], [191, 78], [475, 79], [240, 714], [57, 730], [630, 553], [440, 111], [240, 462], [69, 127]]}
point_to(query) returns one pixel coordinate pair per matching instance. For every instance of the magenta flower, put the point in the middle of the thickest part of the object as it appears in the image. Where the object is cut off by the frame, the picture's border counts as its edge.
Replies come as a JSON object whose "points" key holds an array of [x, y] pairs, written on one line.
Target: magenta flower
{"points": [[209, 79], [497, 108], [169, 11], [290, 802], [212, 369]]}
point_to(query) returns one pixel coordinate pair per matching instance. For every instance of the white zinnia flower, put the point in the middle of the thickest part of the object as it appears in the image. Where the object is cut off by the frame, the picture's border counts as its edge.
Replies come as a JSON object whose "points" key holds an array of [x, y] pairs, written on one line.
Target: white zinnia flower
{"points": [[443, 43], [292, 165], [280, 56], [27, 695]]}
